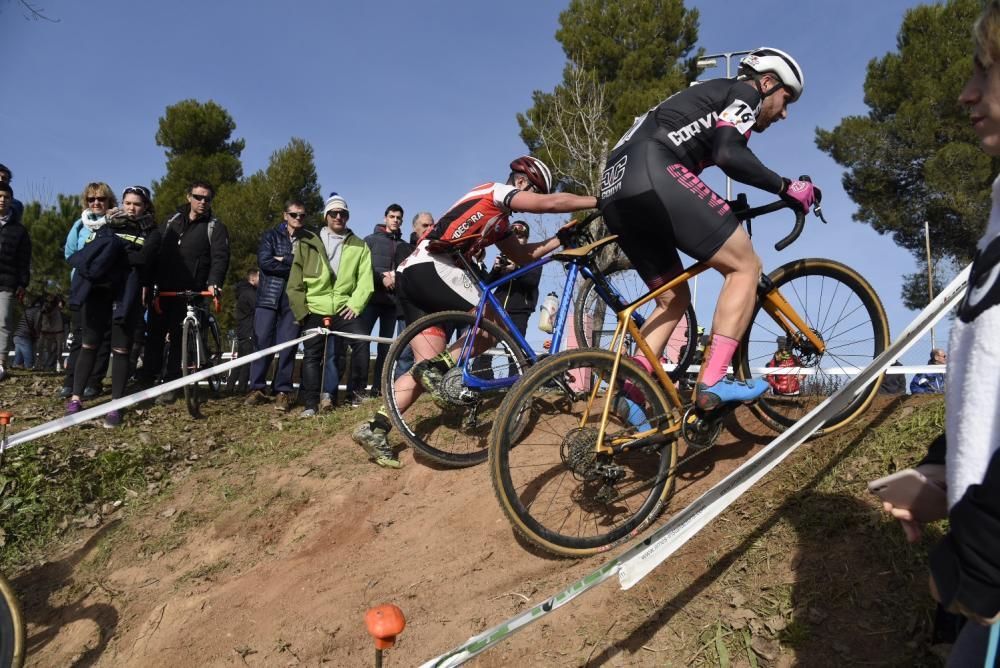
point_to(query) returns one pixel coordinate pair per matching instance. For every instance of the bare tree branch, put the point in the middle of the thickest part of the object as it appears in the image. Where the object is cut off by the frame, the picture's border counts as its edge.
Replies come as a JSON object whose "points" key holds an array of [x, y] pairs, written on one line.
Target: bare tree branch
{"points": [[32, 12]]}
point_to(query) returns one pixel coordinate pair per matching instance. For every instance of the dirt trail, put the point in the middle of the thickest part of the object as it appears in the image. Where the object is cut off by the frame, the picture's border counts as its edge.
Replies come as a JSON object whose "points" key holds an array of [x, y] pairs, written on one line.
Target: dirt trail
{"points": [[278, 568]]}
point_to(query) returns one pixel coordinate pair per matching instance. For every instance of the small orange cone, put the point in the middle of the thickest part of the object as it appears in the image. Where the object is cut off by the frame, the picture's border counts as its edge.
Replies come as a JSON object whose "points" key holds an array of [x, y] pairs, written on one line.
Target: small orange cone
{"points": [[384, 623]]}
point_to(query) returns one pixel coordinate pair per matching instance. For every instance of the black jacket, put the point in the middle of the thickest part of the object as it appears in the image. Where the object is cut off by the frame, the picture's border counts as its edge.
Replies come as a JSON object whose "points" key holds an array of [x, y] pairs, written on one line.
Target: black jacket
{"points": [[966, 565], [275, 242], [519, 295], [383, 246], [246, 302], [188, 260], [15, 255], [30, 325]]}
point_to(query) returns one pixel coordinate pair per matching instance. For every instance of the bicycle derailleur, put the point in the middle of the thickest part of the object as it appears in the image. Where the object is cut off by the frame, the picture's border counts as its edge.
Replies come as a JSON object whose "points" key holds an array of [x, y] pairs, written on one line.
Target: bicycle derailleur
{"points": [[578, 452]]}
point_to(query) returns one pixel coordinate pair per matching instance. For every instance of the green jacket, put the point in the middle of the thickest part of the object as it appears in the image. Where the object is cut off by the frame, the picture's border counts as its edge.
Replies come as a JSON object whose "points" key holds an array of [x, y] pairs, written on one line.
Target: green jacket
{"points": [[309, 282]]}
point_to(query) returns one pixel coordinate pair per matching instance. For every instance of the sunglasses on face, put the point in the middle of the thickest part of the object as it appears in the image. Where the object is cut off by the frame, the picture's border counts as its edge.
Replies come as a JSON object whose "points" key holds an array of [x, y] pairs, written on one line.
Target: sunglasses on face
{"points": [[202, 198], [339, 214], [295, 214], [91, 200]]}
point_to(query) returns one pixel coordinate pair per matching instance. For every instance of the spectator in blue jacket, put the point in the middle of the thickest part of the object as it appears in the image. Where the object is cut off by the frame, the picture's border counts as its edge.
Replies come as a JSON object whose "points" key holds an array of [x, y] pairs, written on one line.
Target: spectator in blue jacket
{"points": [[930, 383], [273, 319]]}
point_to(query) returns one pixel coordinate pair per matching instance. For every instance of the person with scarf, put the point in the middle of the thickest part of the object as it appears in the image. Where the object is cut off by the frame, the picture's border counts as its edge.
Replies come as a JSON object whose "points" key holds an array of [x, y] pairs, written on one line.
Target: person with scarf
{"points": [[113, 297], [97, 198]]}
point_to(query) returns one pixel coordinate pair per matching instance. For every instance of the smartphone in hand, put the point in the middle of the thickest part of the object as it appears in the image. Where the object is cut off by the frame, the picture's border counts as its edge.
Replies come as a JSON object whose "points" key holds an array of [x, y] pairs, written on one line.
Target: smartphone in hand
{"points": [[911, 489]]}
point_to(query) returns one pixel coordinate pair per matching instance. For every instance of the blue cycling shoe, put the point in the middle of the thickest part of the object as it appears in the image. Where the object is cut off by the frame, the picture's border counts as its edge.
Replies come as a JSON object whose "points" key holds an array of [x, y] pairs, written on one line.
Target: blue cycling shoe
{"points": [[630, 413], [728, 391]]}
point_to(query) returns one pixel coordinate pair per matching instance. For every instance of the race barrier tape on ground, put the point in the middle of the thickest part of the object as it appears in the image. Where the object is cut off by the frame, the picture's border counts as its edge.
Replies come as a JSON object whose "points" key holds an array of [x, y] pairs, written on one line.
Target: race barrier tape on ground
{"points": [[100, 410], [639, 560]]}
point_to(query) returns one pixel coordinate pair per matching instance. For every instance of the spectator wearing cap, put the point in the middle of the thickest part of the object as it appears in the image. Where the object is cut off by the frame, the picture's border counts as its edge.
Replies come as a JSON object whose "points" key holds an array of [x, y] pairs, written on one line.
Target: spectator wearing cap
{"points": [[383, 308], [6, 176], [329, 285], [274, 322], [15, 268], [519, 296]]}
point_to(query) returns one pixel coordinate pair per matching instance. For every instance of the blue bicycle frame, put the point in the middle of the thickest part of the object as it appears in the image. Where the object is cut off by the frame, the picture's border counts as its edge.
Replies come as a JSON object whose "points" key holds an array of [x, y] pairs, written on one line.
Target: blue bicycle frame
{"points": [[612, 298]]}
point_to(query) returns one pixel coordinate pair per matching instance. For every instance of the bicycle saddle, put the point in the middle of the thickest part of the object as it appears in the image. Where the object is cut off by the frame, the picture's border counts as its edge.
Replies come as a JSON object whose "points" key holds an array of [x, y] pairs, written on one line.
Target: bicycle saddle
{"points": [[570, 253]]}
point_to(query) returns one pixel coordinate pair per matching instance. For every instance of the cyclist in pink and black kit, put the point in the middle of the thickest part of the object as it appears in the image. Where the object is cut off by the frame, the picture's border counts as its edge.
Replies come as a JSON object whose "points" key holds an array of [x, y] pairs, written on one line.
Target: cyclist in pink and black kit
{"points": [[434, 278], [653, 199]]}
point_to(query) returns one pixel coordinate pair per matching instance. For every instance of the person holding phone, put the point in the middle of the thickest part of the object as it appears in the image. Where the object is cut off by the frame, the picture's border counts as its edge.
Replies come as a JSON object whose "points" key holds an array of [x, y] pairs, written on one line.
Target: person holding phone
{"points": [[965, 566]]}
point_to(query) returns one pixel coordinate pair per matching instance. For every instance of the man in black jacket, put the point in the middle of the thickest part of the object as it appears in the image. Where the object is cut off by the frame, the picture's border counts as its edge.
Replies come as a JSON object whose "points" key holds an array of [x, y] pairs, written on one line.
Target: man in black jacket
{"points": [[384, 242], [246, 302], [519, 296], [273, 319], [193, 255], [15, 268]]}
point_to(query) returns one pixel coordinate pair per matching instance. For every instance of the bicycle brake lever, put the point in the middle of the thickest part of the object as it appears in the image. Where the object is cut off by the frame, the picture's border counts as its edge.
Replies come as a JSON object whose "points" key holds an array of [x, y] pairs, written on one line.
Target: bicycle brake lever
{"points": [[818, 212]]}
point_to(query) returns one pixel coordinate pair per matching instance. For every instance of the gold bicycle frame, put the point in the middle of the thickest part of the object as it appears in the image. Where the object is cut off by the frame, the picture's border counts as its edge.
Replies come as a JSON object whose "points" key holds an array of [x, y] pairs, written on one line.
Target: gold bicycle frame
{"points": [[773, 302]]}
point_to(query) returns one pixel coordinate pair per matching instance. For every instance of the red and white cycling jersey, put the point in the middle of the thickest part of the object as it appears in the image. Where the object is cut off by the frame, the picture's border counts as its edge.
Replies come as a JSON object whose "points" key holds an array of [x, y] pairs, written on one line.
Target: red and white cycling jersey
{"points": [[480, 218]]}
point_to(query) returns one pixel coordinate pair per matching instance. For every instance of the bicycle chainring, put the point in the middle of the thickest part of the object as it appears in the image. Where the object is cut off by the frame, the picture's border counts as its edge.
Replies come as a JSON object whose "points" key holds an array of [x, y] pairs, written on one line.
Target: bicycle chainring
{"points": [[699, 432]]}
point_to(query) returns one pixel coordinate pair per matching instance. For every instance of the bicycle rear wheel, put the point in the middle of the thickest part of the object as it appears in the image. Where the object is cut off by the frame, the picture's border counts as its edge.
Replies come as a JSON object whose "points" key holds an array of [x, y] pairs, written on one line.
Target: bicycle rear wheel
{"points": [[13, 640], [842, 308], [553, 487], [452, 431], [594, 320], [190, 354]]}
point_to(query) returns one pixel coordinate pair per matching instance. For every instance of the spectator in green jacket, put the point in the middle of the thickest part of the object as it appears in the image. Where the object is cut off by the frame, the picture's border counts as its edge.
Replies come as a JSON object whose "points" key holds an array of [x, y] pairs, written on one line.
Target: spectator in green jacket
{"points": [[330, 283]]}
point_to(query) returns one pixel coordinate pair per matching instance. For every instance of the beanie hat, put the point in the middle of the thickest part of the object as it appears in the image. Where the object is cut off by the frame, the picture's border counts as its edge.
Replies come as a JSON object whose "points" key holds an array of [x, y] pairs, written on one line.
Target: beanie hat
{"points": [[335, 202]]}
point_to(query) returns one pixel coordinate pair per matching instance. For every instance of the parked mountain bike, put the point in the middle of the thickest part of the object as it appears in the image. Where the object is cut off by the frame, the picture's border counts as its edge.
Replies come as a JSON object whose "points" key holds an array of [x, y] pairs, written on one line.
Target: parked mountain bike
{"points": [[199, 349], [584, 448], [452, 428]]}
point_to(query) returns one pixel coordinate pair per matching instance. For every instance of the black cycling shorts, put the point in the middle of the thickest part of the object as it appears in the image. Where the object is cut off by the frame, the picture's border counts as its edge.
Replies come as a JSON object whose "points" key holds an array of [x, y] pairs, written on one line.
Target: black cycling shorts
{"points": [[422, 290], [657, 206]]}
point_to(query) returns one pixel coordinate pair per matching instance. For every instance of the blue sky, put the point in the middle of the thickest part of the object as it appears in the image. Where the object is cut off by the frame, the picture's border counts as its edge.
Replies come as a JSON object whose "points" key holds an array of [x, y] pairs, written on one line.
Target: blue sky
{"points": [[403, 102]]}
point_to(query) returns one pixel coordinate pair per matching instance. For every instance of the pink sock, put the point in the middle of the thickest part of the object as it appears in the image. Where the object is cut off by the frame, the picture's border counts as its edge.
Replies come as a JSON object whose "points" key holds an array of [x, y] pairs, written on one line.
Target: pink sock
{"points": [[717, 359]]}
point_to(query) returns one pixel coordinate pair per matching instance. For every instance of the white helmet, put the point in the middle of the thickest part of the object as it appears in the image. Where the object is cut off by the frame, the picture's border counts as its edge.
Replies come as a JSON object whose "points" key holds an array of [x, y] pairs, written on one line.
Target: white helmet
{"points": [[767, 60]]}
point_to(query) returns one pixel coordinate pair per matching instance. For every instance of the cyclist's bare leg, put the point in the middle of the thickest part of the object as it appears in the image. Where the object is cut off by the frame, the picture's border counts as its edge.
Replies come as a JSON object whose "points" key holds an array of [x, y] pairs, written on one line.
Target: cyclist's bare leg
{"points": [[670, 307], [425, 345], [739, 264]]}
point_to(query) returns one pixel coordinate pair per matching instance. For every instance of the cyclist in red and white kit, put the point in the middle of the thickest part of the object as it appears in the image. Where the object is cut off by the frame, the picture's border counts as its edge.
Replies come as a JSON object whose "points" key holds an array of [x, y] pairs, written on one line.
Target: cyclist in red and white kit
{"points": [[434, 278], [653, 199]]}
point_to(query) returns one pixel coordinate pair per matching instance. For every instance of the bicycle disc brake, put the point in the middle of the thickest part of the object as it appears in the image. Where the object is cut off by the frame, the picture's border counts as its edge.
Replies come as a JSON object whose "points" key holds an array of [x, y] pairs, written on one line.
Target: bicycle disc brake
{"points": [[805, 352]]}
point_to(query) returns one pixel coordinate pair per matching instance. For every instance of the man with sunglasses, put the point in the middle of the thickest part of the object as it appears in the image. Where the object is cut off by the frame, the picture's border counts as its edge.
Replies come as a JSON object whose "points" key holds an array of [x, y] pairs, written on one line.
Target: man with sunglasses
{"points": [[273, 319], [193, 255]]}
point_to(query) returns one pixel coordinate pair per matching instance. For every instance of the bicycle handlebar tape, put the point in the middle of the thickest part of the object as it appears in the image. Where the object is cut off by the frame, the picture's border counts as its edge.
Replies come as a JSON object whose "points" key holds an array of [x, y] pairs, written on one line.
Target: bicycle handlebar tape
{"points": [[384, 623]]}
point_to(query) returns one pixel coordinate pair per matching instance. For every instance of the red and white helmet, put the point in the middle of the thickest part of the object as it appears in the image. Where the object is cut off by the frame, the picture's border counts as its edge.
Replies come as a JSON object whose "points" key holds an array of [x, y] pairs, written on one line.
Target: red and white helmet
{"points": [[774, 61], [536, 171]]}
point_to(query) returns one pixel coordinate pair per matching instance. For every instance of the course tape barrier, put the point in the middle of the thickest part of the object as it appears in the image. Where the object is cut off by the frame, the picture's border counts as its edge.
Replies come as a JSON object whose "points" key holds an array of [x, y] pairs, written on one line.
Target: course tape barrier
{"points": [[639, 560], [100, 410]]}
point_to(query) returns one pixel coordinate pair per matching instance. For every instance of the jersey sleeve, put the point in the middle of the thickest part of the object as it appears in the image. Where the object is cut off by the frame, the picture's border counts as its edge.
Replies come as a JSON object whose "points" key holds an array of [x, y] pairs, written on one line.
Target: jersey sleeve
{"points": [[503, 194], [732, 130]]}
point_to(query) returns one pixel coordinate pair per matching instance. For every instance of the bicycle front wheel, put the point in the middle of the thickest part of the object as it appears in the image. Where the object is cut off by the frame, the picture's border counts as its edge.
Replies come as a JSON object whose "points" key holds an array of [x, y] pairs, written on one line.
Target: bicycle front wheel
{"points": [[553, 486], [212, 352], [595, 320], [450, 425], [190, 353], [13, 639], [839, 306]]}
